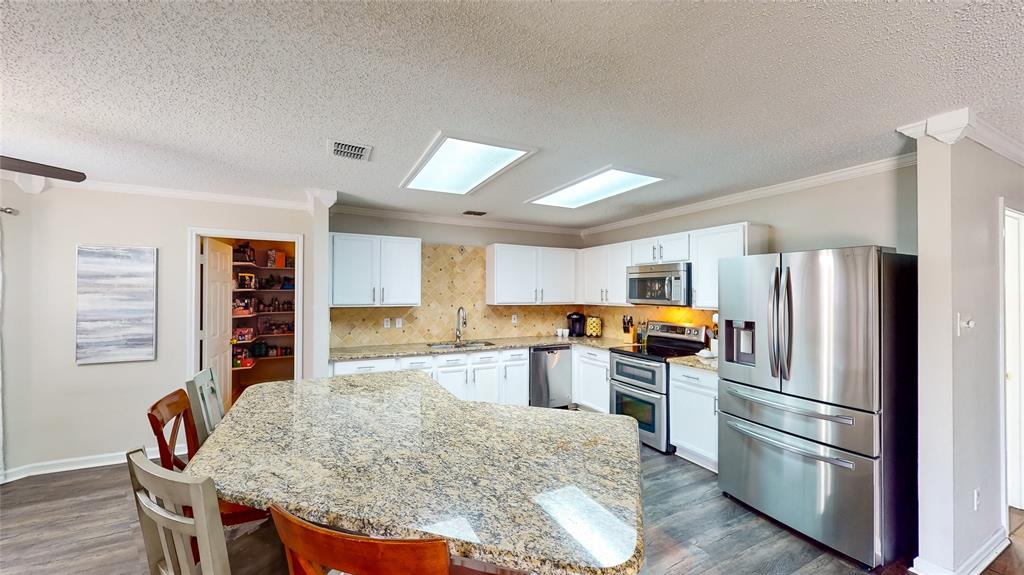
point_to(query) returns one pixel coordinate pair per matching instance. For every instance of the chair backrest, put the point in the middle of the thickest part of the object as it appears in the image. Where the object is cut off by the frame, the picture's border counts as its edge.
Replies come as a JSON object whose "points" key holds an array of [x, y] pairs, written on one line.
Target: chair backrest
{"points": [[312, 550], [176, 409], [160, 499], [207, 406]]}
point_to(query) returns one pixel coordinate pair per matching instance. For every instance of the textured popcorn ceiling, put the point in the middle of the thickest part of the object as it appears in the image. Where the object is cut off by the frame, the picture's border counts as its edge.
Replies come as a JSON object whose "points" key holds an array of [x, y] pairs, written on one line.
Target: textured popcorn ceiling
{"points": [[240, 98]]}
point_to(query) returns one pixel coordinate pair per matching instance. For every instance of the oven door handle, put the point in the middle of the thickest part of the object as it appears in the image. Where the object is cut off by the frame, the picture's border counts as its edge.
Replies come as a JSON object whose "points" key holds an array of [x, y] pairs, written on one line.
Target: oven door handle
{"points": [[630, 360], [629, 390]]}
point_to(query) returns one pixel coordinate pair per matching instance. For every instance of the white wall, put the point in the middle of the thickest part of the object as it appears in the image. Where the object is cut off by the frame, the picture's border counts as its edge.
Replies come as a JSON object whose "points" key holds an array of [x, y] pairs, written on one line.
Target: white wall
{"points": [[432, 233], [876, 209], [55, 409], [961, 377]]}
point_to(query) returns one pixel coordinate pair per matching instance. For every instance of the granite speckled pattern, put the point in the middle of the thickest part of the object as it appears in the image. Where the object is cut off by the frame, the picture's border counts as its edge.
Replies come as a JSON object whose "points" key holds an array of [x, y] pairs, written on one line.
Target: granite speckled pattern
{"points": [[694, 361], [411, 349], [394, 454]]}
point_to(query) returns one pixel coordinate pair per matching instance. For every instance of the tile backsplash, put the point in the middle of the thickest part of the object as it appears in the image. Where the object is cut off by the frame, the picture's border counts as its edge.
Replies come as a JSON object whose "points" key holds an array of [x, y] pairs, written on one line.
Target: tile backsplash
{"points": [[455, 276]]}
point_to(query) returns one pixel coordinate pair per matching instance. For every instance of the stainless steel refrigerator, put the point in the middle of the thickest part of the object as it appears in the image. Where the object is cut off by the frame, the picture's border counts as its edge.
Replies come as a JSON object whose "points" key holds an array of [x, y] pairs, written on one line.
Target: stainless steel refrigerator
{"points": [[818, 395]]}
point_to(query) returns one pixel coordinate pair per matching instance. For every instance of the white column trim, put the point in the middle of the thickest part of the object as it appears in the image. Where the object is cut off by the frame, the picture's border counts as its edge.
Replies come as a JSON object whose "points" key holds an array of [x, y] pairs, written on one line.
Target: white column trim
{"points": [[951, 127], [320, 203]]}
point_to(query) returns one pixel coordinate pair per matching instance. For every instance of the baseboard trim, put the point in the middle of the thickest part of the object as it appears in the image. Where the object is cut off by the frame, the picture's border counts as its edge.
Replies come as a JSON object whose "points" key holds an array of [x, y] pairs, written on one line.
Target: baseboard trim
{"points": [[975, 564], [73, 463]]}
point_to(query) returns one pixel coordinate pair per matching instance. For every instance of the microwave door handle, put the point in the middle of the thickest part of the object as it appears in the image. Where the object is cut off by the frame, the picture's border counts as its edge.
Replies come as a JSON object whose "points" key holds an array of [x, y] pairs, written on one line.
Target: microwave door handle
{"points": [[773, 313], [668, 288]]}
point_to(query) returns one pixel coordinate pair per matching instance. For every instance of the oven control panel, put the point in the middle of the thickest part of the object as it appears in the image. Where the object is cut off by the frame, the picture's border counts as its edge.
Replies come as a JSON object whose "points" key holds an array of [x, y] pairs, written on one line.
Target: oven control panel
{"points": [[691, 332]]}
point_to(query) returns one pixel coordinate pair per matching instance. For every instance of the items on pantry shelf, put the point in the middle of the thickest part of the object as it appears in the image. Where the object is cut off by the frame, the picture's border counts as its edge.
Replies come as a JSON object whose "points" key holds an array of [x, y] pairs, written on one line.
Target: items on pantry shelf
{"points": [[289, 262], [243, 334], [275, 258], [245, 281], [262, 349], [272, 327], [242, 357], [244, 254], [242, 306], [287, 283]]}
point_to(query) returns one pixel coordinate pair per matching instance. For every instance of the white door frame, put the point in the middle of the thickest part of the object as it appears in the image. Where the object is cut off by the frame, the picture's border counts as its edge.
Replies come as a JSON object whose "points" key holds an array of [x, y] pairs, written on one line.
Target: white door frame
{"points": [[195, 236], [1004, 210]]}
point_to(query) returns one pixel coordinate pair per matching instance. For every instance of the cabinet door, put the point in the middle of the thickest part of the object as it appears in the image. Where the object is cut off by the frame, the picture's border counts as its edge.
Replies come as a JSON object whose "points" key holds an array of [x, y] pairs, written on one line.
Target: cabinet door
{"points": [[484, 383], [400, 271], [354, 270], [515, 274], [594, 389], [617, 285], [693, 427], [709, 246], [556, 271], [455, 380], [644, 251], [595, 272], [674, 248], [515, 388]]}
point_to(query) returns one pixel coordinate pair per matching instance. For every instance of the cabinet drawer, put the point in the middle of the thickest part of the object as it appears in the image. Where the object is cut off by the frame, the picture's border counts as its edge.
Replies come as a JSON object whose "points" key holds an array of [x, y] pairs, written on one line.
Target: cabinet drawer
{"points": [[693, 376], [593, 353], [450, 359], [515, 355], [484, 357], [364, 366], [418, 362]]}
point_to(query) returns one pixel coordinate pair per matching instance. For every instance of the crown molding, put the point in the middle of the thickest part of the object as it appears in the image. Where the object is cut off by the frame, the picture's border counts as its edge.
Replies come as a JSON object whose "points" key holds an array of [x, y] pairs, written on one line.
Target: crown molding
{"points": [[951, 127], [876, 167], [155, 191], [29, 183], [454, 221], [326, 197]]}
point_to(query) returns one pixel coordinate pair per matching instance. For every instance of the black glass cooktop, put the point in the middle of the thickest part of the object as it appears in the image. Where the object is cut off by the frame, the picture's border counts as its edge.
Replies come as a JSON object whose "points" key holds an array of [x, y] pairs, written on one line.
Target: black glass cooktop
{"points": [[656, 352]]}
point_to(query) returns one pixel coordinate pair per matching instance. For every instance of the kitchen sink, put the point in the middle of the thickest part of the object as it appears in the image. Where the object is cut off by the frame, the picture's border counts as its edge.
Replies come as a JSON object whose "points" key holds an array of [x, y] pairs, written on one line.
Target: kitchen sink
{"points": [[463, 345]]}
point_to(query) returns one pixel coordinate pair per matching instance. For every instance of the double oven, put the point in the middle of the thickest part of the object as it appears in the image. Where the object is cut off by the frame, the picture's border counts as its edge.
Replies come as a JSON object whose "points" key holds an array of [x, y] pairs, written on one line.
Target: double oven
{"points": [[639, 378]]}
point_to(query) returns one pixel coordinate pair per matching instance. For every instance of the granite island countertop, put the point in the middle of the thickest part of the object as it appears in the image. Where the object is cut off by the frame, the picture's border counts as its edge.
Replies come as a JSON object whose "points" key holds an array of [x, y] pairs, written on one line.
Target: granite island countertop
{"points": [[696, 362], [393, 454], [410, 349]]}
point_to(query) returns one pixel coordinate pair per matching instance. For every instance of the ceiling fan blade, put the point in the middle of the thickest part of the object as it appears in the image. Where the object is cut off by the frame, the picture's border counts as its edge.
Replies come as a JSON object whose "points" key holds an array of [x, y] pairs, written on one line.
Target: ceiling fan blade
{"points": [[27, 167]]}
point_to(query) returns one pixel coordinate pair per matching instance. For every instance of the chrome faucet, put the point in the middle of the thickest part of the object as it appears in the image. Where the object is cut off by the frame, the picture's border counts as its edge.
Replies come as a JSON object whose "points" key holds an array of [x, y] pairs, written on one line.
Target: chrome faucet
{"points": [[460, 322]]}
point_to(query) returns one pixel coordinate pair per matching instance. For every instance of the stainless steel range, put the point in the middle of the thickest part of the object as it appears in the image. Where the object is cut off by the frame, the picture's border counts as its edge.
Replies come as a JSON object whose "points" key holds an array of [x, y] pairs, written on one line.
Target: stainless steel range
{"points": [[639, 378]]}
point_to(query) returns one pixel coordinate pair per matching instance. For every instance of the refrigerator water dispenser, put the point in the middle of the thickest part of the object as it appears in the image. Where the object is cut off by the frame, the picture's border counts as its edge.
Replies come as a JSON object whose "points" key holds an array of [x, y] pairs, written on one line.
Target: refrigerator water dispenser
{"points": [[739, 342]]}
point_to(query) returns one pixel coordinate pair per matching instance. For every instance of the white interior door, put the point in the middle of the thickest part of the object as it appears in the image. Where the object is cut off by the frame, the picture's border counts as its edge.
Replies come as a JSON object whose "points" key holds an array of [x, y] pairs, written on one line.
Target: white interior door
{"points": [[1014, 262], [217, 295]]}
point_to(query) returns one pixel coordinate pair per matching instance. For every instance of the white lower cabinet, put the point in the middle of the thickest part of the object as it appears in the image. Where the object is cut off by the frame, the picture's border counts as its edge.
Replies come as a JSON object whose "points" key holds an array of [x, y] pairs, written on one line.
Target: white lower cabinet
{"points": [[693, 415], [455, 379], [591, 388], [364, 366], [424, 363], [515, 381], [484, 369]]}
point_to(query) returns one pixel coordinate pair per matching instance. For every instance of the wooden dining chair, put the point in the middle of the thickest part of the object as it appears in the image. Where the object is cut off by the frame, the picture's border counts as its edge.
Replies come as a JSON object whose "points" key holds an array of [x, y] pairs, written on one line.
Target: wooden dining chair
{"points": [[313, 550], [161, 497], [176, 410], [208, 408]]}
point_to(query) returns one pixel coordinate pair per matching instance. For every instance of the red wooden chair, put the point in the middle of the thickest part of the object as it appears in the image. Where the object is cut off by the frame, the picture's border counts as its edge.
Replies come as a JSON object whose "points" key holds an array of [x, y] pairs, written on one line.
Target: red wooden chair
{"points": [[313, 550], [175, 408]]}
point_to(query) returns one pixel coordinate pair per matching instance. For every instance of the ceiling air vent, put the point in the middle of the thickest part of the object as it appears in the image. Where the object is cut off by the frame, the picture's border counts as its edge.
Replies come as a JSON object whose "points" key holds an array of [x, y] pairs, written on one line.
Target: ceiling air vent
{"points": [[473, 213], [341, 149]]}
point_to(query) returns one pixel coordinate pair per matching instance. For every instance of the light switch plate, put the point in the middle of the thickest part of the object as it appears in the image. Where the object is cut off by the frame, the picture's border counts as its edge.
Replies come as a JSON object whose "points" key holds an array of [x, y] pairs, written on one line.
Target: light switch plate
{"points": [[387, 322], [398, 323], [515, 319]]}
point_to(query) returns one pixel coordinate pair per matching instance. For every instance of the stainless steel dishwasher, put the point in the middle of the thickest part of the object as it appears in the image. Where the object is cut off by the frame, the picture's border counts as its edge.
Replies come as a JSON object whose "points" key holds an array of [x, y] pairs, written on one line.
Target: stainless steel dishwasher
{"points": [[550, 376]]}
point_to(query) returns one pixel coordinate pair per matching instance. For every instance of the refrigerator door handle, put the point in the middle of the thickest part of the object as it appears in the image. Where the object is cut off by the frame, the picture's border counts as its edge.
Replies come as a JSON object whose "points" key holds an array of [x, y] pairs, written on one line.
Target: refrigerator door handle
{"points": [[846, 464], [773, 335], [786, 346]]}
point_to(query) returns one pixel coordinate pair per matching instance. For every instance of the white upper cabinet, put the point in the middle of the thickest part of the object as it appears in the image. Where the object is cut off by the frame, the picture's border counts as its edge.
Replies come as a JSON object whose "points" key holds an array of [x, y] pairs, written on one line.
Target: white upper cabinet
{"points": [[400, 271], [375, 270], [530, 275], [710, 245], [604, 274], [556, 275], [662, 249], [354, 275]]}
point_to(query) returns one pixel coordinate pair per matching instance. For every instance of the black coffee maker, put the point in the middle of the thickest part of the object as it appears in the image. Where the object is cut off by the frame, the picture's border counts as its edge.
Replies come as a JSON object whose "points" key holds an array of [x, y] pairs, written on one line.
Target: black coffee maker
{"points": [[577, 324]]}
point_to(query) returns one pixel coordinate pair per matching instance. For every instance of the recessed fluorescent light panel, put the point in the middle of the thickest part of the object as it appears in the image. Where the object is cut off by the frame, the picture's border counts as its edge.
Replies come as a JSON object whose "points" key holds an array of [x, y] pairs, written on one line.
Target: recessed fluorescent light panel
{"points": [[605, 183], [459, 166]]}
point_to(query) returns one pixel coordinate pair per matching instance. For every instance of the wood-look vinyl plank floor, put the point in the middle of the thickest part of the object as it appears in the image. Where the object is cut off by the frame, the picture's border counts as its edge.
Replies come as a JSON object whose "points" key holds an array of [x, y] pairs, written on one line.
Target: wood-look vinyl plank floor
{"points": [[84, 522]]}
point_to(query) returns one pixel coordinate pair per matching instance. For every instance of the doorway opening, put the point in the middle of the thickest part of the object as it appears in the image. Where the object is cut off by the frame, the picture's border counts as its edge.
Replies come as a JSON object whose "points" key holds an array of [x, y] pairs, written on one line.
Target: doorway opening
{"points": [[246, 308], [1013, 333]]}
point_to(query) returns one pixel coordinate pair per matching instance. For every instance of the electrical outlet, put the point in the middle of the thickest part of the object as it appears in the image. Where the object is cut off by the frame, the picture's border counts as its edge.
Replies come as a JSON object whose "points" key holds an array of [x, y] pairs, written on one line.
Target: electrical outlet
{"points": [[387, 322], [398, 322], [515, 319], [977, 498]]}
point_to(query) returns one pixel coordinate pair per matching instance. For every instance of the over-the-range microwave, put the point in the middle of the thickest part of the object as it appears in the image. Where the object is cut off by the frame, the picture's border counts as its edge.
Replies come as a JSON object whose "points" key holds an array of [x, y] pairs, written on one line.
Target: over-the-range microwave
{"points": [[660, 284]]}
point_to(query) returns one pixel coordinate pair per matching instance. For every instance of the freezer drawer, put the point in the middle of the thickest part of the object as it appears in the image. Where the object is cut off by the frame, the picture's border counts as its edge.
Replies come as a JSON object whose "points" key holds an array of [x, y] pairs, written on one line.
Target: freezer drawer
{"points": [[836, 426], [827, 494]]}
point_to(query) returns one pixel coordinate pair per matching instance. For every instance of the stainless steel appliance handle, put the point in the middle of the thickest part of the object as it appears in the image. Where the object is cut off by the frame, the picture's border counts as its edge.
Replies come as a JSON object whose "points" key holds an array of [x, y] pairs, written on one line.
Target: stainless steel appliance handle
{"points": [[846, 464], [534, 294], [841, 419], [629, 390], [668, 288], [654, 252], [661, 252], [635, 361], [786, 346], [541, 294], [773, 312], [373, 294]]}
